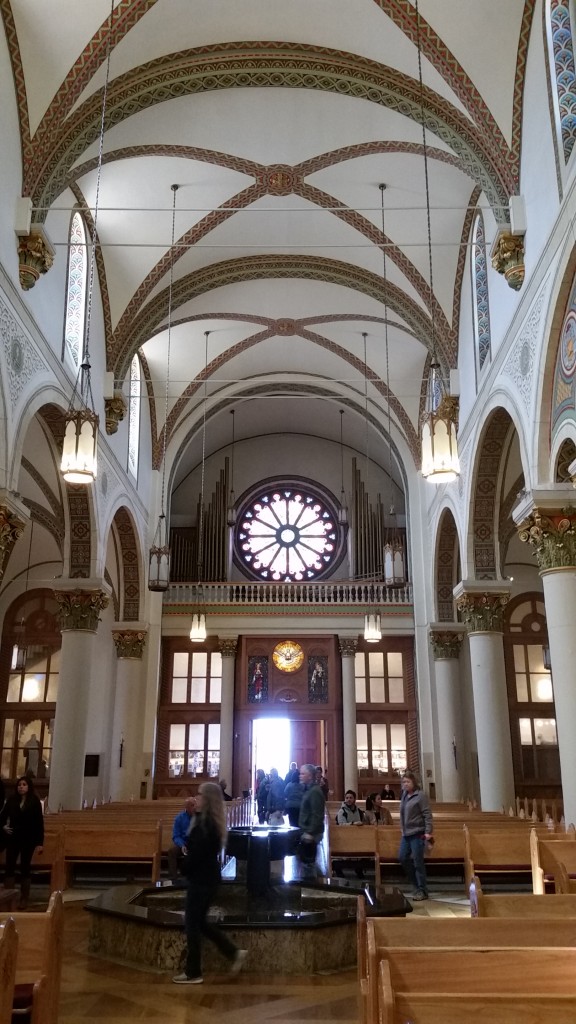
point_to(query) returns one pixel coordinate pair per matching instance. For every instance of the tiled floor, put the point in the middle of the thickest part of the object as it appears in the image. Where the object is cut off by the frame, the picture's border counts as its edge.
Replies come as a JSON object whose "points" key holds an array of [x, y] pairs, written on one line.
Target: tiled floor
{"points": [[95, 990]]}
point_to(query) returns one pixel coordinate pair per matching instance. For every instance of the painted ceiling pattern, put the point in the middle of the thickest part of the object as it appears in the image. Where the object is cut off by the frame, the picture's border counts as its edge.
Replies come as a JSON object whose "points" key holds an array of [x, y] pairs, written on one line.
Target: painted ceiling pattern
{"points": [[279, 143]]}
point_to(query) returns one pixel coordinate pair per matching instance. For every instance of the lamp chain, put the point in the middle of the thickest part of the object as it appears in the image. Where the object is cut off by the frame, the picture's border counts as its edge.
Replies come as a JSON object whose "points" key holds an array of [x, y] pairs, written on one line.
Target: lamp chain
{"points": [[426, 181], [168, 344], [386, 349], [201, 523]]}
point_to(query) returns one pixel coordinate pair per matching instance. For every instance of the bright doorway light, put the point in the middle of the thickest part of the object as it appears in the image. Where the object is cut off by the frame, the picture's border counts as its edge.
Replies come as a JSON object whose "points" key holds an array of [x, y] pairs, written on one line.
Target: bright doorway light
{"points": [[270, 745]]}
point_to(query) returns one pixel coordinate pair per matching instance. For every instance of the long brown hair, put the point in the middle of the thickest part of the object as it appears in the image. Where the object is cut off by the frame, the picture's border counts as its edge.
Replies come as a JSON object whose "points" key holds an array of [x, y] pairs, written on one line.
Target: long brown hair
{"points": [[214, 809]]}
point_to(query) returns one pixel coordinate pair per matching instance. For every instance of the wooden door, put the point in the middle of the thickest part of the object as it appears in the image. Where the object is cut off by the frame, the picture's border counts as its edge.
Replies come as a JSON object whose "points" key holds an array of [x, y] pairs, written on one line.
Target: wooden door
{"points": [[306, 742]]}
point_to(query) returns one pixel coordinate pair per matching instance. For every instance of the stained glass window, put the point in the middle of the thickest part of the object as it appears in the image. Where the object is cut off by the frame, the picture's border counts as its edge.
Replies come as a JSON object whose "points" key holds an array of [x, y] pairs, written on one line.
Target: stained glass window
{"points": [[480, 292], [560, 28], [76, 290], [287, 534], [134, 416]]}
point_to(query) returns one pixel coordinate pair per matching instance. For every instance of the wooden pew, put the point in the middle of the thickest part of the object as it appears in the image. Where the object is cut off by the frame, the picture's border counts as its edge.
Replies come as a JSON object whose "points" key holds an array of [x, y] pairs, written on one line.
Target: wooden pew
{"points": [[516, 976], [8, 954], [117, 845], [545, 854], [519, 905], [498, 850], [383, 934], [50, 859], [39, 960], [356, 841]]}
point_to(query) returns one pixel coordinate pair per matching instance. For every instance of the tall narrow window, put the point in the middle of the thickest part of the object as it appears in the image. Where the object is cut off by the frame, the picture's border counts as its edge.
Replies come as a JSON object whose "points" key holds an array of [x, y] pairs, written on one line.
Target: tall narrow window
{"points": [[564, 72], [481, 309], [134, 416], [76, 290]]}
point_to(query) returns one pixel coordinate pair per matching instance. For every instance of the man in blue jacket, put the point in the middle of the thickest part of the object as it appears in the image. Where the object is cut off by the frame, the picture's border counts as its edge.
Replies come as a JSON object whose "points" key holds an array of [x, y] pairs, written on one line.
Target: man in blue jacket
{"points": [[180, 830], [416, 825]]}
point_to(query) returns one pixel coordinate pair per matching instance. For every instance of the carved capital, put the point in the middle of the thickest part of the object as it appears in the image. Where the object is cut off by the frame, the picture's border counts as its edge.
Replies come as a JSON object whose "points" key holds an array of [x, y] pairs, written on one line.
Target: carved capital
{"points": [[228, 646], [552, 536], [80, 609], [11, 527], [115, 411], [508, 258], [35, 257], [348, 646], [129, 643], [445, 644], [483, 613]]}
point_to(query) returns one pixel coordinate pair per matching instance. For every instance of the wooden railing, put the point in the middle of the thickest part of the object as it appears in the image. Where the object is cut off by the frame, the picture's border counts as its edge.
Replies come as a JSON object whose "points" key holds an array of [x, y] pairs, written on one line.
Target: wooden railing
{"points": [[344, 593]]}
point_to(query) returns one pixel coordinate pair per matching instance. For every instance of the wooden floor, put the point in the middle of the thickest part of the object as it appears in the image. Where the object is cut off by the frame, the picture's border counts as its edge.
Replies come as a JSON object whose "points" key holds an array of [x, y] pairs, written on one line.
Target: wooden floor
{"points": [[95, 990]]}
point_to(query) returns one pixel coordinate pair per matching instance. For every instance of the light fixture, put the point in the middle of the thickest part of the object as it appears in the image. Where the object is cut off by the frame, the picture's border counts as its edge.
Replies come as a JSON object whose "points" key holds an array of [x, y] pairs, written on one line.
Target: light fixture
{"points": [[372, 630], [394, 560], [342, 511], [20, 650], [231, 514], [440, 462], [80, 447], [159, 555], [198, 630]]}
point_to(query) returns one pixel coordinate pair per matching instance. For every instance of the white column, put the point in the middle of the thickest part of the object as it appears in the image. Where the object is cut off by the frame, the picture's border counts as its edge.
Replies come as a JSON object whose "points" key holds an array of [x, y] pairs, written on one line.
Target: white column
{"points": [[79, 617], [350, 751], [446, 643], [492, 719], [126, 747], [560, 598], [227, 649]]}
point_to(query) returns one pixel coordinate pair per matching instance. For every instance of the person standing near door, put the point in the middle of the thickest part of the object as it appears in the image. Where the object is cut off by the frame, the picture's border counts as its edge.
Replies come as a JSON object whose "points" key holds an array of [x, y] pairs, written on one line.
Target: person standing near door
{"points": [[310, 819]]}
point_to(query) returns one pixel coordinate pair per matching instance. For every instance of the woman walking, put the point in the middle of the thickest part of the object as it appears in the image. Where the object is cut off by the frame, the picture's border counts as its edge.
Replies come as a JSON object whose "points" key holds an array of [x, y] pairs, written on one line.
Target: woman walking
{"points": [[204, 842], [22, 831], [416, 825]]}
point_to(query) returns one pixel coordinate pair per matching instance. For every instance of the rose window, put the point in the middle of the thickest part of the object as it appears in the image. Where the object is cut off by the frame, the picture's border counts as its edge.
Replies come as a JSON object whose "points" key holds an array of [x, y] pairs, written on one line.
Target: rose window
{"points": [[287, 534]]}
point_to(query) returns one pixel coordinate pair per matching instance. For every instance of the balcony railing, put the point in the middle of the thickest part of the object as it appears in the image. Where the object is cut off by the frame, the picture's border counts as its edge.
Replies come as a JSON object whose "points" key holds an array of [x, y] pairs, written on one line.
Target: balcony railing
{"points": [[356, 594]]}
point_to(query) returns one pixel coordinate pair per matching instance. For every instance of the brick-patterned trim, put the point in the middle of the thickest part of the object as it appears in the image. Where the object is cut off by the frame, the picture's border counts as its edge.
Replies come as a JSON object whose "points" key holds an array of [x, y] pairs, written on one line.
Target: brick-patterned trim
{"points": [[446, 563], [486, 491], [130, 572]]}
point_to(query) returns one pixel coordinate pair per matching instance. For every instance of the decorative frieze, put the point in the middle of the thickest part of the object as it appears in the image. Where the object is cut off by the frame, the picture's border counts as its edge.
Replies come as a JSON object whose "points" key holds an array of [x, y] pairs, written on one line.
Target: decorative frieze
{"points": [[35, 257], [11, 528], [445, 644], [129, 643], [348, 646], [508, 258], [80, 609], [552, 534], [483, 612], [228, 646], [115, 411]]}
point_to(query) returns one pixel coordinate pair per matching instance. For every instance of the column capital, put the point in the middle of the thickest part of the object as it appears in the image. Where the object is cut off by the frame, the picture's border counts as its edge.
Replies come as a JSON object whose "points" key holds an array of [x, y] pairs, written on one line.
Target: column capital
{"points": [[81, 602], [549, 527], [348, 646], [13, 518], [228, 646], [129, 643], [482, 604], [446, 639]]}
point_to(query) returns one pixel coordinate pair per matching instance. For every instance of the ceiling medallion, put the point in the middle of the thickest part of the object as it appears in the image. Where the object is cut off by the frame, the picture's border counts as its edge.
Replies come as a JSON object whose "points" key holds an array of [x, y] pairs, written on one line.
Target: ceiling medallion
{"points": [[288, 656]]}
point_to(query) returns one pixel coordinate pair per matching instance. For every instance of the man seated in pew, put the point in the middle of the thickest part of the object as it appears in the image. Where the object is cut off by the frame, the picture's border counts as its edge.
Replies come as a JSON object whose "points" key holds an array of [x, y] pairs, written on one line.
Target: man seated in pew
{"points": [[387, 792], [417, 828], [376, 813], [350, 814], [180, 830]]}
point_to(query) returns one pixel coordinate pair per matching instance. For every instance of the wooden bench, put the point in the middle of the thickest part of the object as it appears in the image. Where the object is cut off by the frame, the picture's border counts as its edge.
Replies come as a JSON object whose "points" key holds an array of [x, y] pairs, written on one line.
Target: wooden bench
{"points": [[498, 851], [116, 845], [355, 841], [421, 978], [8, 954], [545, 853], [519, 905], [49, 861], [39, 961]]}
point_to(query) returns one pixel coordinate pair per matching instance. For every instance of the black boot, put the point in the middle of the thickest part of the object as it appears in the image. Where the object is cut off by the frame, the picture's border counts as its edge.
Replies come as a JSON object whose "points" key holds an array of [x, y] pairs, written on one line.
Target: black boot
{"points": [[24, 894]]}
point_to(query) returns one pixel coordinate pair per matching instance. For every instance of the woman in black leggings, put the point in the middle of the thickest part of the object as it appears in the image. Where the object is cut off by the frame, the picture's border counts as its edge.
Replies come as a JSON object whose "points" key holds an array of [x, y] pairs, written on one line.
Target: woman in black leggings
{"points": [[22, 832]]}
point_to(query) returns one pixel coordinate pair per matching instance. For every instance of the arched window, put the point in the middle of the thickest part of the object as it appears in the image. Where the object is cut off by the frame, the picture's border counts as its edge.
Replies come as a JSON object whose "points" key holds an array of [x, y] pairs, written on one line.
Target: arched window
{"points": [[287, 533], [134, 416], [76, 290], [481, 308], [564, 72]]}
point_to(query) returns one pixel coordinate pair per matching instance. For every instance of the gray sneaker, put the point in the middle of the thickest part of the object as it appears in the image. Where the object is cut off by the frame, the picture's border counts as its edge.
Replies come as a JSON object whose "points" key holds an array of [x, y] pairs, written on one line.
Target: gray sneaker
{"points": [[183, 979], [238, 961]]}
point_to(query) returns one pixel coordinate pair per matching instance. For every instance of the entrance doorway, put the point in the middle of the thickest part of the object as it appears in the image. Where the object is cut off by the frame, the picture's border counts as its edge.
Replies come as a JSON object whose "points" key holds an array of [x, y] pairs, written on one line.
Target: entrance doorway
{"points": [[278, 741]]}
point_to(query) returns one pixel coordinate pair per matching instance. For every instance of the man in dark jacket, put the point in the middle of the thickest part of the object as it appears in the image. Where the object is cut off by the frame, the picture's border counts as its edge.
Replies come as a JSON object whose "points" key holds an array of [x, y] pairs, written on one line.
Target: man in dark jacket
{"points": [[417, 827], [310, 820]]}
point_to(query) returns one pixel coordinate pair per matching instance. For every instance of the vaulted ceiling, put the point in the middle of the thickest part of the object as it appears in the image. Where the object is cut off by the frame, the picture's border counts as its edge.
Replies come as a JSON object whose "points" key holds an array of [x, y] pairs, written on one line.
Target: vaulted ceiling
{"points": [[279, 121]]}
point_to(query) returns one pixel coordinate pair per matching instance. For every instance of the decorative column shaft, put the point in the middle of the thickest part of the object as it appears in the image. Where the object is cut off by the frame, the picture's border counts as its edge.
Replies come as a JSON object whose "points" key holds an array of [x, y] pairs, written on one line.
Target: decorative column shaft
{"points": [[482, 606], [446, 644], [126, 747], [552, 535], [79, 616], [227, 648], [350, 752]]}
